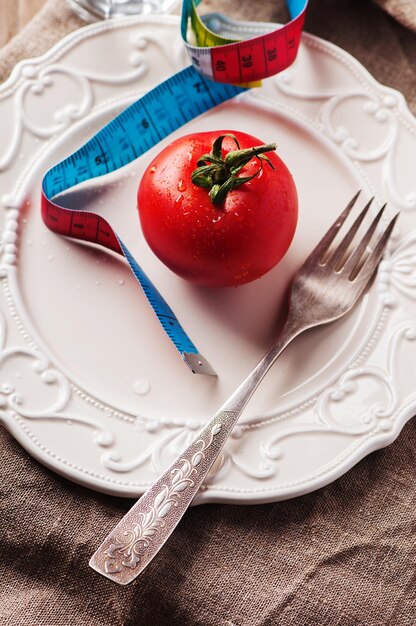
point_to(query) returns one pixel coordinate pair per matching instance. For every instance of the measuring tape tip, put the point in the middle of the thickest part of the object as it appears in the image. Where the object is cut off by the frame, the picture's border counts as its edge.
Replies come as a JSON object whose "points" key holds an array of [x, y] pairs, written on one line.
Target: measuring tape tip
{"points": [[198, 364]]}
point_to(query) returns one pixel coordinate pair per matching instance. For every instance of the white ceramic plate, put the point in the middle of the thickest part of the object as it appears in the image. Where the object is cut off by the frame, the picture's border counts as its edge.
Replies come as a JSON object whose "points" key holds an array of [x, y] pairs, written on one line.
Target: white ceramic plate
{"points": [[89, 383]]}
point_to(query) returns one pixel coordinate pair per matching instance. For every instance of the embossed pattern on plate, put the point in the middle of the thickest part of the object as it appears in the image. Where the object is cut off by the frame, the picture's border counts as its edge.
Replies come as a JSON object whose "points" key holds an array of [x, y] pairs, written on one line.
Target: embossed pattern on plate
{"points": [[112, 417]]}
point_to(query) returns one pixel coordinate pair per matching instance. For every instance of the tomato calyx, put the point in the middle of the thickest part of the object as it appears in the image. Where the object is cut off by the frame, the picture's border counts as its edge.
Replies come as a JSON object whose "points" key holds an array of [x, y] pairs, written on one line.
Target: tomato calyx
{"points": [[219, 175]]}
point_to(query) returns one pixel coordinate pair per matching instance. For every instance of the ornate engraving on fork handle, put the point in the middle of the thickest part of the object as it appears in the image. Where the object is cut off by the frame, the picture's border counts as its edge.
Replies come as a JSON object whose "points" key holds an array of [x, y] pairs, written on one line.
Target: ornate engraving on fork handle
{"points": [[141, 533]]}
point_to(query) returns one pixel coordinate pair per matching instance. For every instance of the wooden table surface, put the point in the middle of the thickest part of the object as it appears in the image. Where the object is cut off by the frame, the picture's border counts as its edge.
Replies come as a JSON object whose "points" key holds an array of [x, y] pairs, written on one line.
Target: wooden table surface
{"points": [[14, 14]]}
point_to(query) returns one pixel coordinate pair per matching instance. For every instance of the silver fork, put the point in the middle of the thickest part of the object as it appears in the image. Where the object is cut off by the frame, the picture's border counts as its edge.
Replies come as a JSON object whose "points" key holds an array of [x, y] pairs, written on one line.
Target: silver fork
{"points": [[323, 290]]}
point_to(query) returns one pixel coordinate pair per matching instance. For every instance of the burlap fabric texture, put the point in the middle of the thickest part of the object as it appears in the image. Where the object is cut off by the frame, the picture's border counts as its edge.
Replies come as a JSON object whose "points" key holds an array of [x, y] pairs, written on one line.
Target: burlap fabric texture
{"points": [[343, 556], [401, 10]]}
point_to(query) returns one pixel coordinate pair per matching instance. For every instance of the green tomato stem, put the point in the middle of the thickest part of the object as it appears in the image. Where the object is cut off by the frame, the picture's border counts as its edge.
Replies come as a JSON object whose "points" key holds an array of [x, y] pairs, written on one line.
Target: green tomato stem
{"points": [[218, 175]]}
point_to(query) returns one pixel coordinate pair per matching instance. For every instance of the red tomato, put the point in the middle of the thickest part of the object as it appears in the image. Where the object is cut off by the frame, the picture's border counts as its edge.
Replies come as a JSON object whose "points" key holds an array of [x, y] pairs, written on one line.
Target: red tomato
{"points": [[217, 245]]}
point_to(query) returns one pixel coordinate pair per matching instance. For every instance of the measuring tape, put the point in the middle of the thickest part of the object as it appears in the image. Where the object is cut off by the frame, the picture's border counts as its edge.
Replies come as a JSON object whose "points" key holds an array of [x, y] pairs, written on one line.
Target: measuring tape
{"points": [[150, 119], [266, 49]]}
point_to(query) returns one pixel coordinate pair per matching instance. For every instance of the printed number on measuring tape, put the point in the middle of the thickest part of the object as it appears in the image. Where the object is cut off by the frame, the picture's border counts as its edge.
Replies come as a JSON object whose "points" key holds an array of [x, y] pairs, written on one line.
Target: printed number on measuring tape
{"points": [[153, 117], [266, 49]]}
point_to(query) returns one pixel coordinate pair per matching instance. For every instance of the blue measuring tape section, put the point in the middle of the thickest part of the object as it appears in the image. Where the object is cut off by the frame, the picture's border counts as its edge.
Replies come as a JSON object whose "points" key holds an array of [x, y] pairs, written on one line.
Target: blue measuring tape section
{"points": [[153, 117], [142, 125]]}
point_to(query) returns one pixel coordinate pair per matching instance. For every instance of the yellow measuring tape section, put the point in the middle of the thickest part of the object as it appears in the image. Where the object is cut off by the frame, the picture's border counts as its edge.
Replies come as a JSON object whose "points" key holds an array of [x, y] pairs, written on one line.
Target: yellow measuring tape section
{"points": [[205, 37]]}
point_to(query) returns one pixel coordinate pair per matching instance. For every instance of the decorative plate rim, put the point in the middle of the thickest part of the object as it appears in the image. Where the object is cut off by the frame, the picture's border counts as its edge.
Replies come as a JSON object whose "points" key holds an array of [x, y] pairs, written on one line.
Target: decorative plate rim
{"points": [[364, 446]]}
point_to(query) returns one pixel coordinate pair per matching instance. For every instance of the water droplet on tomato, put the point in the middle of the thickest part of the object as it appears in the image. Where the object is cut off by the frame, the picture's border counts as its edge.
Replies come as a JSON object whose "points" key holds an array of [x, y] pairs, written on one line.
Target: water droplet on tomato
{"points": [[179, 200], [153, 169], [181, 185]]}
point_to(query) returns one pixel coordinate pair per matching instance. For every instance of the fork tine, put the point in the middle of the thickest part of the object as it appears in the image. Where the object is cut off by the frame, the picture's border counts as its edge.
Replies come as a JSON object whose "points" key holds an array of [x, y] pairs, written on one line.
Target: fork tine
{"points": [[318, 252], [340, 251], [355, 257], [370, 266]]}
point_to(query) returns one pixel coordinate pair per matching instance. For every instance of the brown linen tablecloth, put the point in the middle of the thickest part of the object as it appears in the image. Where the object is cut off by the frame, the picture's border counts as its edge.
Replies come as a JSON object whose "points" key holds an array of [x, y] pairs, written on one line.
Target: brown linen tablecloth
{"points": [[343, 556]]}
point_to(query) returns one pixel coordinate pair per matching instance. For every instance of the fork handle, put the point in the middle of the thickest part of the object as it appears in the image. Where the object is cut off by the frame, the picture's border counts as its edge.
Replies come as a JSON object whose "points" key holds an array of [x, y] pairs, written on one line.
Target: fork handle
{"points": [[148, 524]]}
